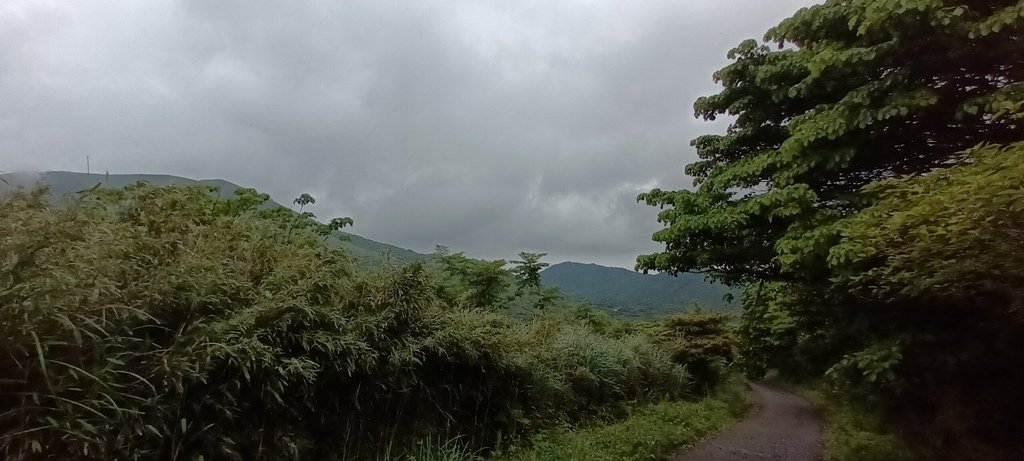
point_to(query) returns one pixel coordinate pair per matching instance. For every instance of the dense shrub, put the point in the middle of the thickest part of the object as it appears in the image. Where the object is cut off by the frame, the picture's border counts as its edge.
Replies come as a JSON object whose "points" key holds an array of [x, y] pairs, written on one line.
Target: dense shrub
{"points": [[921, 321], [702, 342], [159, 323]]}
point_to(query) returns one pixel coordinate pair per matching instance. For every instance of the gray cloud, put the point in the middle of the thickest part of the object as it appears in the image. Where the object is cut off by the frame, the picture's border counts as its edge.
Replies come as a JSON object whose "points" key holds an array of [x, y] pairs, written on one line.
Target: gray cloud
{"points": [[489, 126]]}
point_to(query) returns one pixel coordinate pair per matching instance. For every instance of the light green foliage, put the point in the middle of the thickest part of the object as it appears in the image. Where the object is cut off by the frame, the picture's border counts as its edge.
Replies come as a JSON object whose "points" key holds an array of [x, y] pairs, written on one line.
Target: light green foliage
{"points": [[124, 311], [527, 270], [648, 433], [953, 233], [580, 369], [768, 331], [603, 322], [163, 323], [874, 365]]}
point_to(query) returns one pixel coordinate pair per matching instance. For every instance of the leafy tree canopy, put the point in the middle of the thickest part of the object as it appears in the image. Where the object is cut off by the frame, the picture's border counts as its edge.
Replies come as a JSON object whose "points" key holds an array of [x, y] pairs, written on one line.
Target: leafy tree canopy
{"points": [[854, 91], [478, 283], [527, 274], [954, 233], [868, 192], [527, 270]]}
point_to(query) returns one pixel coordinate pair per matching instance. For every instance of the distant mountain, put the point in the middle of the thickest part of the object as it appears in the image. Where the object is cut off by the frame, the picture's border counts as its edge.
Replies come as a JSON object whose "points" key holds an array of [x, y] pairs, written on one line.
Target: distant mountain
{"points": [[65, 183], [632, 294], [623, 292]]}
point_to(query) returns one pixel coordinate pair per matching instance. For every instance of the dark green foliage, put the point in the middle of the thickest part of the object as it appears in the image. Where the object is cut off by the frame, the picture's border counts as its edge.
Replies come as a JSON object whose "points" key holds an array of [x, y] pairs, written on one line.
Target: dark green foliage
{"points": [[855, 433], [369, 253], [936, 264], [922, 320], [959, 231], [475, 282], [527, 275], [768, 330], [161, 323], [702, 342], [868, 192]]}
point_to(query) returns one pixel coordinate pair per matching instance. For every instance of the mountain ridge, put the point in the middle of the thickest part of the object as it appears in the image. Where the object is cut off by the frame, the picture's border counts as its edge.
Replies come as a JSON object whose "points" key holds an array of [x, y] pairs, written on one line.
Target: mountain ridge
{"points": [[633, 294], [367, 252], [622, 291]]}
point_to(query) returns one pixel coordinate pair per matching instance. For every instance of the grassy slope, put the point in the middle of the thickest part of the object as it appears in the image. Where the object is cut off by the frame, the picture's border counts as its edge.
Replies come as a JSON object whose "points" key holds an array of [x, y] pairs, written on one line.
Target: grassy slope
{"points": [[651, 432], [371, 253]]}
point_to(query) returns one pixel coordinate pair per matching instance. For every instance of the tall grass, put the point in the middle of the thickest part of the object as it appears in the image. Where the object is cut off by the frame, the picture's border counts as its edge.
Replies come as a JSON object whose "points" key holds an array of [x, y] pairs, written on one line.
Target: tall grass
{"points": [[853, 432], [650, 432], [159, 323]]}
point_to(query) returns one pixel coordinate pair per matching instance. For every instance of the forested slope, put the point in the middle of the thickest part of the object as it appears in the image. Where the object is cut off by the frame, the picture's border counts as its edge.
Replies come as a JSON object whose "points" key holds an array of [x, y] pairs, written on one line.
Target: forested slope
{"points": [[636, 295]]}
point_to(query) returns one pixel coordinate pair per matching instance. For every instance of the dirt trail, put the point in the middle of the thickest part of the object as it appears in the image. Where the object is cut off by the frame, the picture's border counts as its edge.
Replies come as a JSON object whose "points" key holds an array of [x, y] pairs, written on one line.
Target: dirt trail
{"points": [[782, 427]]}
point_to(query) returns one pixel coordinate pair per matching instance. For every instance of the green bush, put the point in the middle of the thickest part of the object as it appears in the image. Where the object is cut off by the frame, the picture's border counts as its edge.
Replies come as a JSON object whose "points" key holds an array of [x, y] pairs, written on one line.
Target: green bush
{"points": [[162, 323], [702, 342], [582, 373]]}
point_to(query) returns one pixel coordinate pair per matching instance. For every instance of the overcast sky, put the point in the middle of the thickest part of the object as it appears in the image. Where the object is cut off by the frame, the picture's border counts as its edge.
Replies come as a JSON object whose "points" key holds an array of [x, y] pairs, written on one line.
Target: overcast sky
{"points": [[492, 127]]}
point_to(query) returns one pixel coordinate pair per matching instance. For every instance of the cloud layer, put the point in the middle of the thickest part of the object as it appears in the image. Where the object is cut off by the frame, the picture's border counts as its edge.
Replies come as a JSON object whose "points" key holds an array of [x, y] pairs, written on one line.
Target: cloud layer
{"points": [[489, 126]]}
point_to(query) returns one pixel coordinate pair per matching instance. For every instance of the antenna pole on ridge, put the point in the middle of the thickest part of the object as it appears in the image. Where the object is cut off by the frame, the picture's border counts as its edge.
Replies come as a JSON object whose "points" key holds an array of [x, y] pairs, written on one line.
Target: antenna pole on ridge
{"points": [[87, 171]]}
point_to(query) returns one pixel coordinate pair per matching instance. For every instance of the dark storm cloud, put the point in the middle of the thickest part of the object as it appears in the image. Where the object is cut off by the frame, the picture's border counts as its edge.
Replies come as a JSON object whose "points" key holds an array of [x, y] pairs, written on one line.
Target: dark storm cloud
{"points": [[492, 127]]}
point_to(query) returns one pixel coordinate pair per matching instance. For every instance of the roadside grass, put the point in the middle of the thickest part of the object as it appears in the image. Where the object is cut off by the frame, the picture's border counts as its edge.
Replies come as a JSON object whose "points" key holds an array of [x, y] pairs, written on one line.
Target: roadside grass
{"points": [[650, 432], [852, 432]]}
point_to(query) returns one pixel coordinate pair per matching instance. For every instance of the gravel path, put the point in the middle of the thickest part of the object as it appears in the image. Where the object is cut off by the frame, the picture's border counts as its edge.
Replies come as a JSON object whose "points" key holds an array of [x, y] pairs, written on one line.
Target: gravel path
{"points": [[783, 427]]}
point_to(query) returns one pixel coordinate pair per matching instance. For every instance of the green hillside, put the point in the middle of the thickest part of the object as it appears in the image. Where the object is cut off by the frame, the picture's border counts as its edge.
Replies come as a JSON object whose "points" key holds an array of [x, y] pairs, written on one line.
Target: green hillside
{"points": [[621, 292], [632, 294], [65, 184], [373, 253]]}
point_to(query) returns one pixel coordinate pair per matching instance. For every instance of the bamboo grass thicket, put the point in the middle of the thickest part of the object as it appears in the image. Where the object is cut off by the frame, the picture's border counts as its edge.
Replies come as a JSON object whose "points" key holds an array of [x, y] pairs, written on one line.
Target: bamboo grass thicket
{"points": [[162, 323]]}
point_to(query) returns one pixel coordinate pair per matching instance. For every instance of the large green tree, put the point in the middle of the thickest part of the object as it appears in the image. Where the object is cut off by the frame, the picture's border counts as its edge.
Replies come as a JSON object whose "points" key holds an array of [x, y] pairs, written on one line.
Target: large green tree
{"points": [[853, 92], [867, 193]]}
